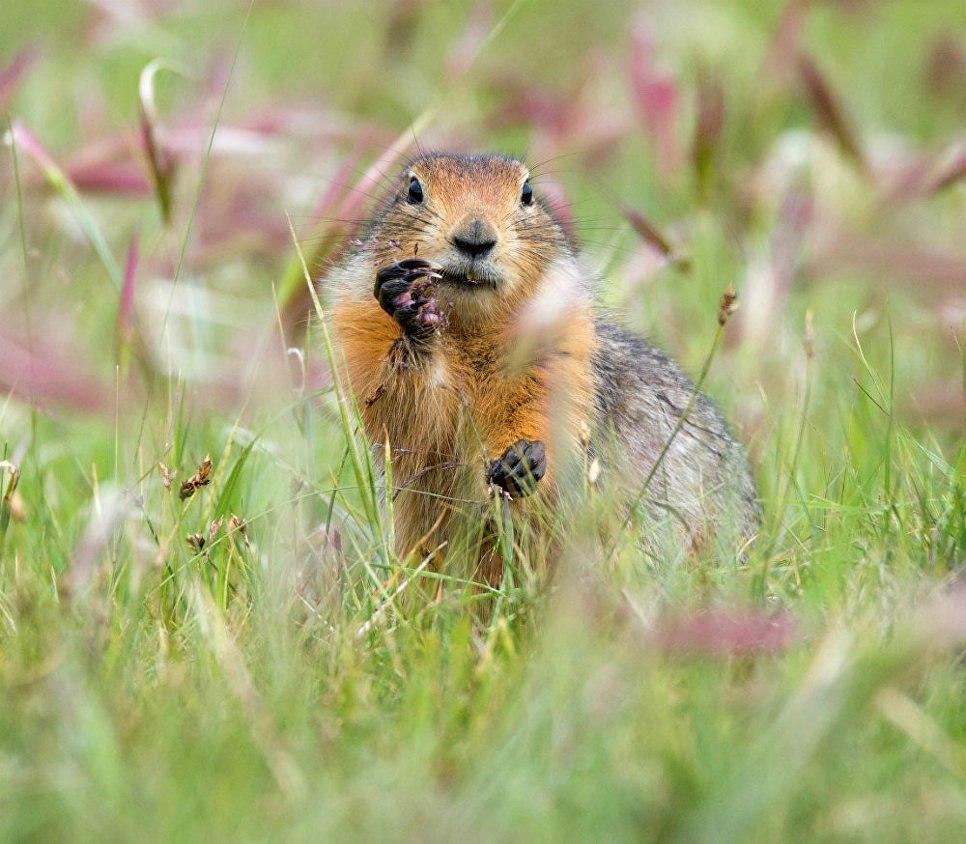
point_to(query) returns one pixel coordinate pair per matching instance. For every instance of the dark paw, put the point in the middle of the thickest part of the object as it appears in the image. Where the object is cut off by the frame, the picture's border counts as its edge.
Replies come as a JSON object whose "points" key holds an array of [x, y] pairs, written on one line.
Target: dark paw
{"points": [[405, 290], [516, 473]]}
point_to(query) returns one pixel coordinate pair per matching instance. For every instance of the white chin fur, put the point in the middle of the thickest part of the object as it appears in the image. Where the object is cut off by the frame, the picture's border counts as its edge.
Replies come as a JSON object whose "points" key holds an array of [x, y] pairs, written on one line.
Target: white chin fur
{"points": [[564, 286]]}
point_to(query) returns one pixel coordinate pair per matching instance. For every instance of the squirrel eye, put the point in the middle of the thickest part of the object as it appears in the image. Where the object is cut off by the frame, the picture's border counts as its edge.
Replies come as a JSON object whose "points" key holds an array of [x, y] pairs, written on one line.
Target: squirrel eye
{"points": [[415, 191], [526, 196]]}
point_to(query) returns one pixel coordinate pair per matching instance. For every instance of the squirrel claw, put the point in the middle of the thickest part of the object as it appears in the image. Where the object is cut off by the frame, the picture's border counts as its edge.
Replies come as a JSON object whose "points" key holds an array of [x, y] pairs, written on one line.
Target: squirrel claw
{"points": [[495, 490], [517, 472], [419, 264]]}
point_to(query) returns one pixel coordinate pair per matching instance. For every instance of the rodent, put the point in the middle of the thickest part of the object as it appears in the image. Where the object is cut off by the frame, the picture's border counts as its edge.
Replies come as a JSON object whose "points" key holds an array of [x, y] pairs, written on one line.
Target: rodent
{"points": [[458, 270]]}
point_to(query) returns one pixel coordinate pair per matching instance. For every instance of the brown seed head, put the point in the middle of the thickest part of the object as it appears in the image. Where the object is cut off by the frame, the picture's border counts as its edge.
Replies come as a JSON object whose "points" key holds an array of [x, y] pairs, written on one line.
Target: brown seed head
{"points": [[167, 476], [12, 500], [238, 524], [729, 304], [202, 477], [14, 471]]}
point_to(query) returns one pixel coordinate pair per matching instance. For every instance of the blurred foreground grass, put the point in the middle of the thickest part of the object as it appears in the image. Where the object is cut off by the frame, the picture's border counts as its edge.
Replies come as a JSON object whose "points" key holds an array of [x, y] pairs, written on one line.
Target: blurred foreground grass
{"points": [[249, 663]]}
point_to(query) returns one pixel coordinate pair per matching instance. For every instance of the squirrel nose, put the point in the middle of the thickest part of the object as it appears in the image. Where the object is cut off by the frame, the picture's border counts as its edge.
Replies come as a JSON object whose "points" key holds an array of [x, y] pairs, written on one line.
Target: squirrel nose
{"points": [[475, 238]]}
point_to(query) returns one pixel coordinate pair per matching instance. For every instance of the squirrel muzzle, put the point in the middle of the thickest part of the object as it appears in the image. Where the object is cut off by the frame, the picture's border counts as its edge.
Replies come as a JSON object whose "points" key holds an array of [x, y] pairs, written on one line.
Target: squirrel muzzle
{"points": [[474, 237]]}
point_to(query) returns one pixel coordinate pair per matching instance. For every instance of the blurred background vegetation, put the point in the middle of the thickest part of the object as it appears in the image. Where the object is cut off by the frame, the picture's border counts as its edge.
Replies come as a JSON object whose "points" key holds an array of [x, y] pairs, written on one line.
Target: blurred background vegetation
{"points": [[153, 310]]}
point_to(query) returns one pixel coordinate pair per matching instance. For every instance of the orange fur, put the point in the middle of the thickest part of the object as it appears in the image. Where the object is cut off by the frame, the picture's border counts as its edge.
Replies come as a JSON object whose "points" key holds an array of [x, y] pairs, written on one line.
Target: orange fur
{"points": [[447, 417], [459, 403]]}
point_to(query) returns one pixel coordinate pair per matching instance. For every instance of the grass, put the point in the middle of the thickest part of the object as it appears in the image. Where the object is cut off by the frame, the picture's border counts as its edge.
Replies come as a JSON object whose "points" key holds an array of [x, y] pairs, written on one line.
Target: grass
{"points": [[252, 662]]}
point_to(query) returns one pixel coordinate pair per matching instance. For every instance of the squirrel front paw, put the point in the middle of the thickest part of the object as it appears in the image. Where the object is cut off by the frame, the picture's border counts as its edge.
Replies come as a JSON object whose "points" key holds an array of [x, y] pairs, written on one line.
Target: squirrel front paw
{"points": [[405, 290], [517, 472]]}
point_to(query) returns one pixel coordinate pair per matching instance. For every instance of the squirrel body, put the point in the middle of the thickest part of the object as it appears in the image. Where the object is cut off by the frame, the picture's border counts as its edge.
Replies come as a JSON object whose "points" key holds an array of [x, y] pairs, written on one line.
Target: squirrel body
{"points": [[472, 347]]}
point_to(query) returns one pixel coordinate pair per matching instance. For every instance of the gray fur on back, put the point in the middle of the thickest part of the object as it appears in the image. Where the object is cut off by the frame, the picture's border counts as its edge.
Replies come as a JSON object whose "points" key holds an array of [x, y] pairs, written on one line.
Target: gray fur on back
{"points": [[703, 482]]}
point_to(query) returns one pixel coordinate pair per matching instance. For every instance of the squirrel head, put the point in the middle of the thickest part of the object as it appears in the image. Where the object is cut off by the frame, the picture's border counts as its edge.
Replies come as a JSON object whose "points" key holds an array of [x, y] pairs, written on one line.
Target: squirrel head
{"points": [[479, 218]]}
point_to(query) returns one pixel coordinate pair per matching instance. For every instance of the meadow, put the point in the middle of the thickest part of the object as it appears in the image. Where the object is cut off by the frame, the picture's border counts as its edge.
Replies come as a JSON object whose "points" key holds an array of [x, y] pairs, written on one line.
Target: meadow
{"points": [[204, 632]]}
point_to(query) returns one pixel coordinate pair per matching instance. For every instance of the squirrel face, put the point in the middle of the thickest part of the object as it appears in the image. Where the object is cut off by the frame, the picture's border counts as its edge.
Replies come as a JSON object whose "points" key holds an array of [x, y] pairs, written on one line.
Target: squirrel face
{"points": [[477, 217]]}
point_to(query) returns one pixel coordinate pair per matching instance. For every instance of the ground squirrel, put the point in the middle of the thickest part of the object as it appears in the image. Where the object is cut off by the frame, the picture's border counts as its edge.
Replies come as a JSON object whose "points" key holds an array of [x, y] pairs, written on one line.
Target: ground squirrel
{"points": [[472, 346]]}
